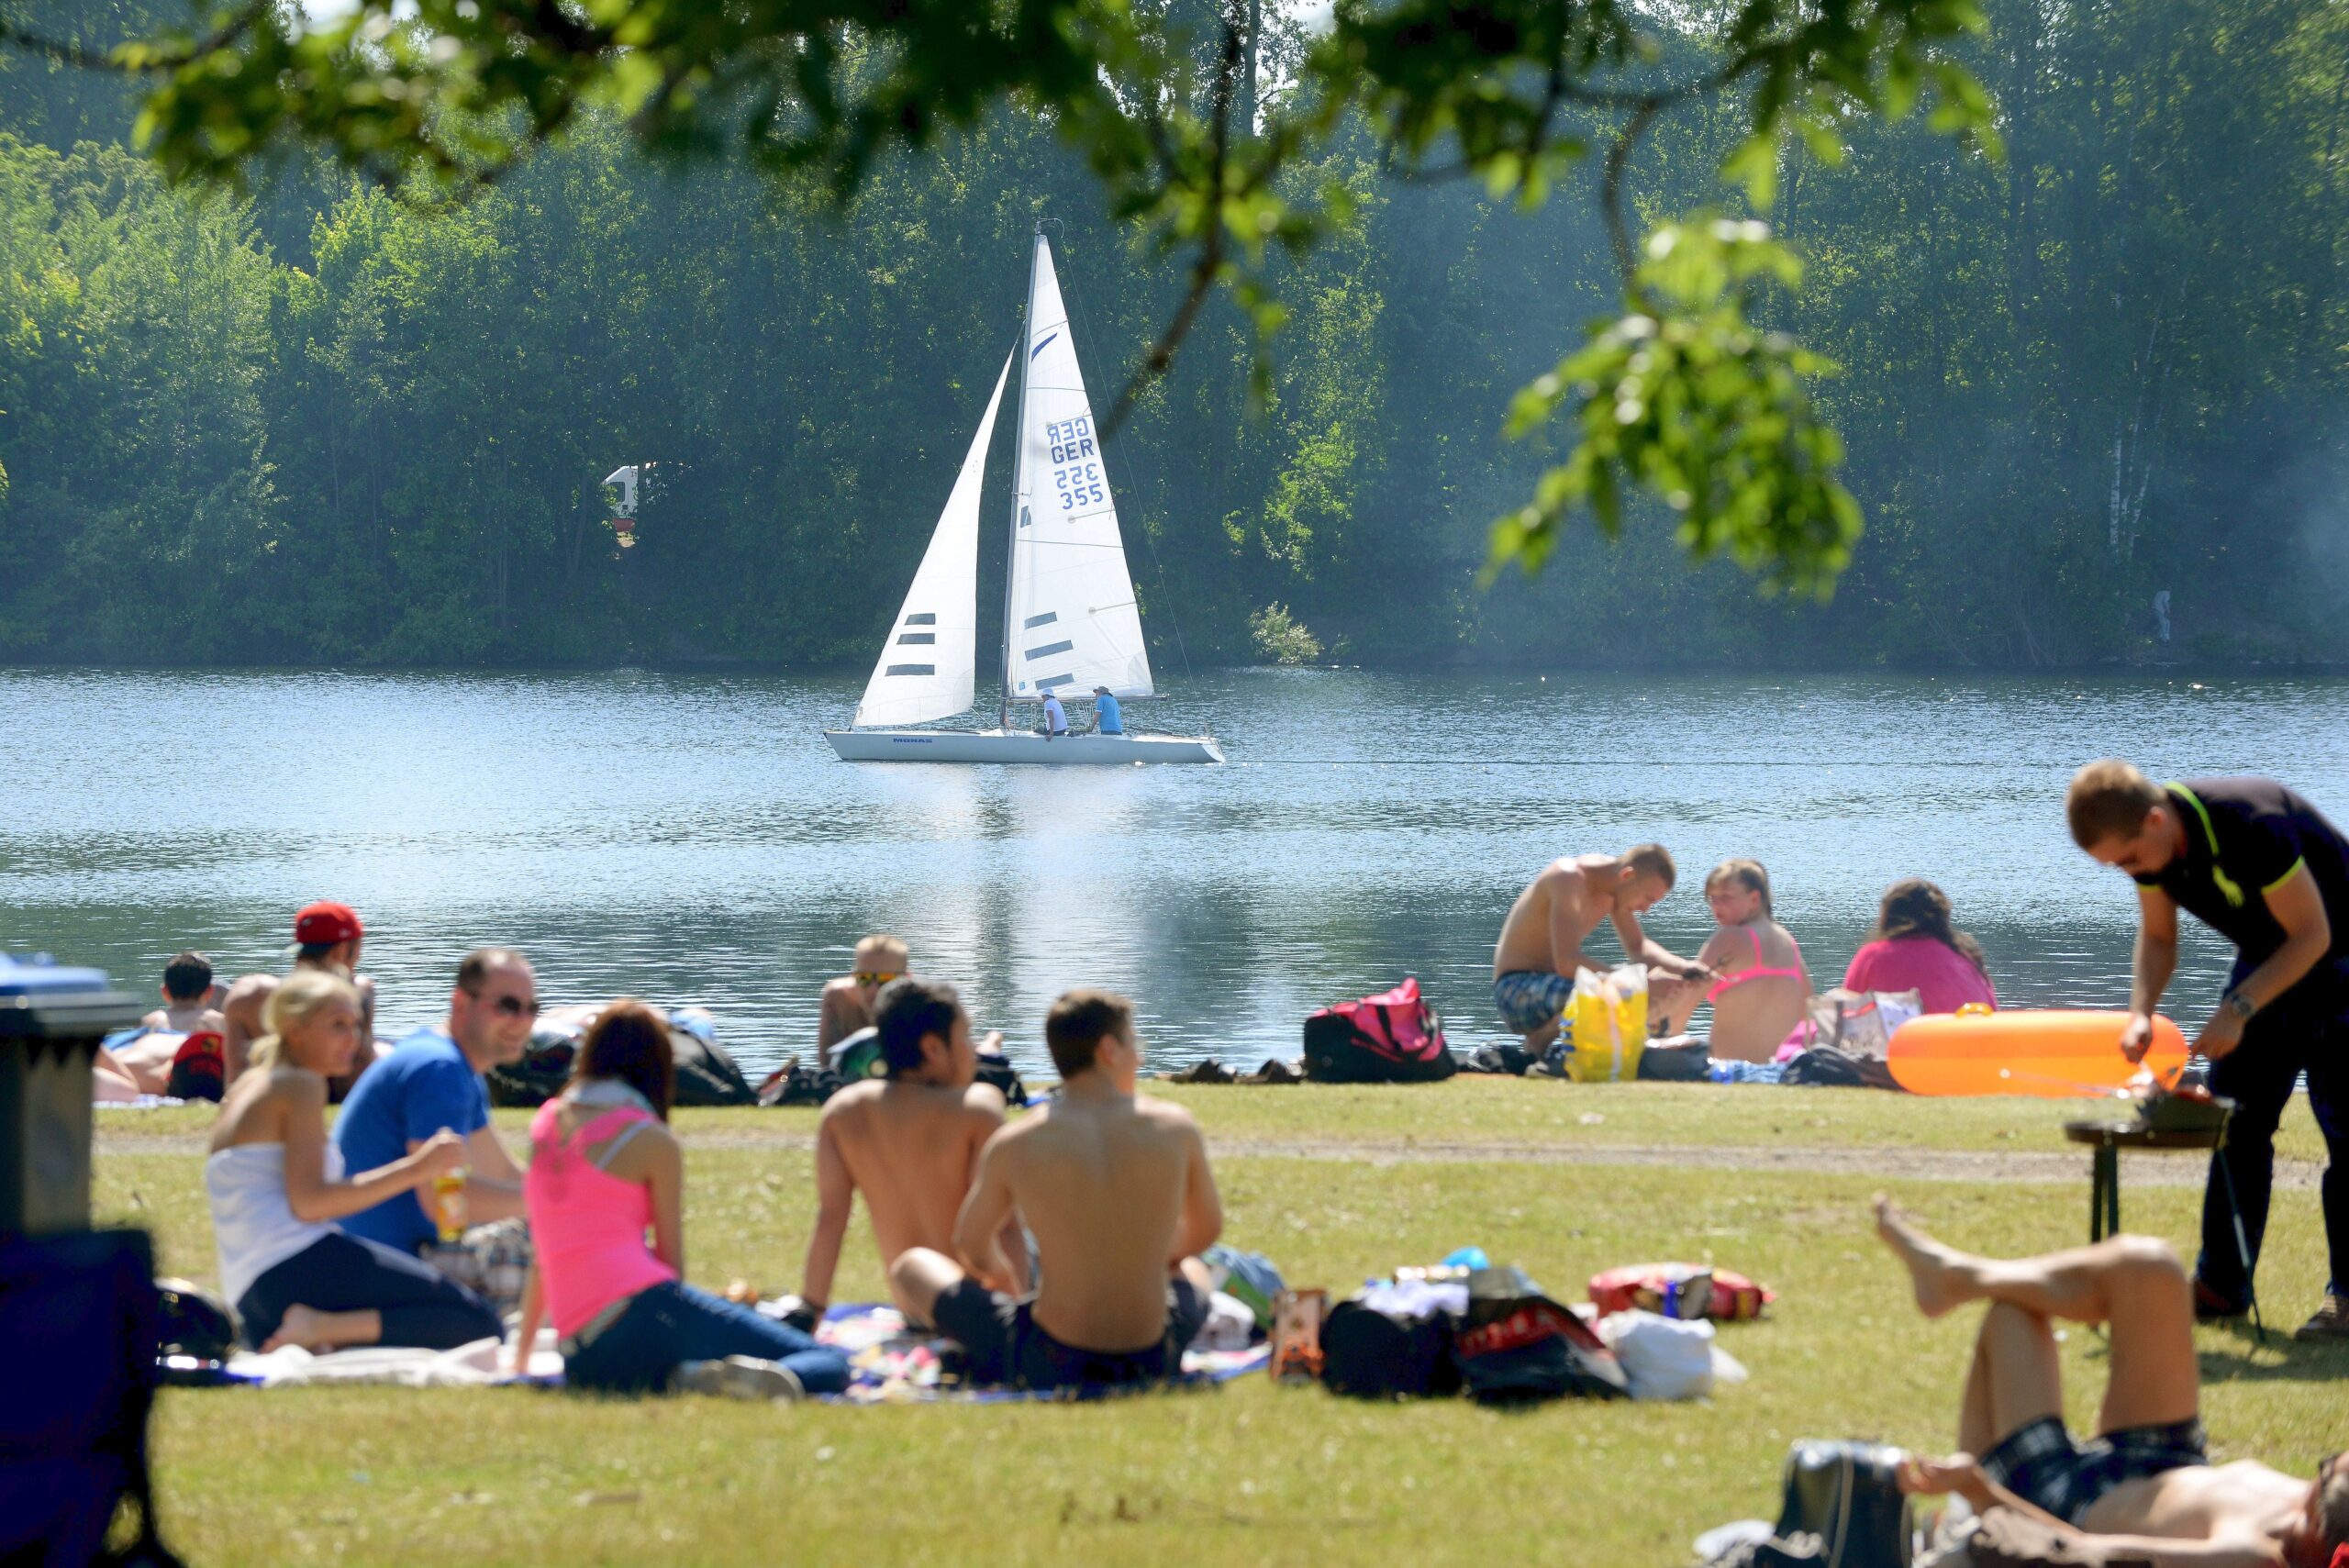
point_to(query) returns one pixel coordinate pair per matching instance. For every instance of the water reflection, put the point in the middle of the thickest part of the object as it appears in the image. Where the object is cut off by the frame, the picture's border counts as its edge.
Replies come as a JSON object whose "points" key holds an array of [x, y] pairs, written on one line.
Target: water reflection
{"points": [[692, 838]]}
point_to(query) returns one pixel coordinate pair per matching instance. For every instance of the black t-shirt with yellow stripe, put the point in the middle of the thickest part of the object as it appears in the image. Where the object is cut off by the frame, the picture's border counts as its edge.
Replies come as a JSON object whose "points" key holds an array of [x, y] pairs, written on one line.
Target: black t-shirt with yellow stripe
{"points": [[2244, 838]]}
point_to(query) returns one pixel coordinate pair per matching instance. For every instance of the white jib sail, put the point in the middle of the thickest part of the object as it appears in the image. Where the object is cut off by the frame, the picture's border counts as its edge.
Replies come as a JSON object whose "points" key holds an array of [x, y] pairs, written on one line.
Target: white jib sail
{"points": [[1074, 623], [925, 666]]}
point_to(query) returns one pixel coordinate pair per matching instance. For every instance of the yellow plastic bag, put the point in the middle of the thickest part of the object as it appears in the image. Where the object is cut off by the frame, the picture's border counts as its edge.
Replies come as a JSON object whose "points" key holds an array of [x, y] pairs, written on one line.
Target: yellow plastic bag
{"points": [[1610, 1017]]}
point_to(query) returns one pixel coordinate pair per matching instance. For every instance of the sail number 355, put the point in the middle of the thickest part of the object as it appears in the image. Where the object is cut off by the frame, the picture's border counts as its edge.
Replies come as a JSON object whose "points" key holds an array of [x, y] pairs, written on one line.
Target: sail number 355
{"points": [[1077, 482]]}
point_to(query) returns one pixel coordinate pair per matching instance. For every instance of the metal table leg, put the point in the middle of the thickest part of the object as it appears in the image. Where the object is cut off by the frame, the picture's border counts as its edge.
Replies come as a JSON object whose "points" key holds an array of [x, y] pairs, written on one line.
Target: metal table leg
{"points": [[2104, 1193]]}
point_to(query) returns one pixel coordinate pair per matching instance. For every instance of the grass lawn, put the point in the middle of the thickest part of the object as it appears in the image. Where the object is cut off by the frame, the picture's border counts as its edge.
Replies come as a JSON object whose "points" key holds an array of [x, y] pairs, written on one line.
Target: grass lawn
{"points": [[1281, 1475]]}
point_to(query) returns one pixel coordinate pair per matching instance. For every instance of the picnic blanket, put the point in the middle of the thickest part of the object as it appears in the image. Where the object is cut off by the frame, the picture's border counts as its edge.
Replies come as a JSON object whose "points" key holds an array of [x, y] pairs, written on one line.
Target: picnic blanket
{"points": [[887, 1366]]}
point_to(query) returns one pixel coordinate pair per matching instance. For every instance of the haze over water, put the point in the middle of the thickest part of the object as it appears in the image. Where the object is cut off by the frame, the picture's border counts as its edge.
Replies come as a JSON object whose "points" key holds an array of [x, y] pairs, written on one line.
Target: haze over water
{"points": [[692, 839]]}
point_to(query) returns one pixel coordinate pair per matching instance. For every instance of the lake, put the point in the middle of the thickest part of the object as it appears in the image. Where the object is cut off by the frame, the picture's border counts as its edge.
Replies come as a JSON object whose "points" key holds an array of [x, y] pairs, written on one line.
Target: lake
{"points": [[692, 839]]}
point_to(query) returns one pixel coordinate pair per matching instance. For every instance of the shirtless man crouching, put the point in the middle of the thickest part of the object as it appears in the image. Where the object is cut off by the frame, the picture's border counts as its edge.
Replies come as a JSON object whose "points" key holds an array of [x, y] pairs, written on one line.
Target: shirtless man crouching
{"points": [[908, 1142], [2143, 1487], [1117, 1190], [326, 936], [1541, 945]]}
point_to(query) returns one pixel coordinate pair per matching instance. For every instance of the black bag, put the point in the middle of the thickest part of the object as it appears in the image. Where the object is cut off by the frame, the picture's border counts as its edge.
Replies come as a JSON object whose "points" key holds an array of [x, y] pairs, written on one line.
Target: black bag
{"points": [[706, 1075], [538, 1077], [998, 1071], [1823, 1064], [1392, 1038], [1519, 1346], [1848, 1494], [1677, 1064], [1375, 1354]]}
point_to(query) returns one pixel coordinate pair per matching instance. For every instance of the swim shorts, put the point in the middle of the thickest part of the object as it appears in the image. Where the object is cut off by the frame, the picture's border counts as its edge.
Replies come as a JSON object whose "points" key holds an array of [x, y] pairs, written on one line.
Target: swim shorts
{"points": [[1003, 1346], [2042, 1463], [1531, 1000]]}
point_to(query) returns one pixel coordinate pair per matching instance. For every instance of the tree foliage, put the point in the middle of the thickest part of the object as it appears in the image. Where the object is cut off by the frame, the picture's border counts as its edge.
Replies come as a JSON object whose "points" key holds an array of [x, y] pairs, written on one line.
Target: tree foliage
{"points": [[323, 420]]}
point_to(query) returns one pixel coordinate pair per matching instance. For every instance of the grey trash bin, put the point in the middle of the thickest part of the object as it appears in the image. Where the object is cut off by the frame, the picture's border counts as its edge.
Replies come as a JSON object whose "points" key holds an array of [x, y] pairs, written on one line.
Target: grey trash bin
{"points": [[51, 1018]]}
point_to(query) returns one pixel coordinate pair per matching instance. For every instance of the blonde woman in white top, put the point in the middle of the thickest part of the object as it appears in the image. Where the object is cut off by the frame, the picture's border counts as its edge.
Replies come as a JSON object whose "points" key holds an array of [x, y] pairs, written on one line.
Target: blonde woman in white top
{"points": [[276, 1186]]}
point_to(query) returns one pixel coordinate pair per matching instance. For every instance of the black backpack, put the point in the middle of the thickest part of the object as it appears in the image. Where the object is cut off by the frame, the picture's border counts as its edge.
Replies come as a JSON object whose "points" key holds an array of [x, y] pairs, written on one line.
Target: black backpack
{"points": [[1372, 1354], [1848, 1495]]}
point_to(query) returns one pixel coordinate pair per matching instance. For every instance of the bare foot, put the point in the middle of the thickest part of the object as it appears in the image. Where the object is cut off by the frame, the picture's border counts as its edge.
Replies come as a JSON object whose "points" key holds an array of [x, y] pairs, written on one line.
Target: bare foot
{"points": [[300, 1326], [1932, 1266]]}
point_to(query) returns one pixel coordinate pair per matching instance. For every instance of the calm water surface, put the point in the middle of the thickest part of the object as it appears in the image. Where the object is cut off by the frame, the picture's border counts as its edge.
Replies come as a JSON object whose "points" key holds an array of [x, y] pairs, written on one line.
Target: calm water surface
{"points": [[692, 838]]}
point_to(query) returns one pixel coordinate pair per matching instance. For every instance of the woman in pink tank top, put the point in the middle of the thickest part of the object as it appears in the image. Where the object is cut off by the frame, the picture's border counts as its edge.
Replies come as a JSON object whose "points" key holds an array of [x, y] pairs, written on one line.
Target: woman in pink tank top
{"points": [[604, 1170], [1915, 948]]}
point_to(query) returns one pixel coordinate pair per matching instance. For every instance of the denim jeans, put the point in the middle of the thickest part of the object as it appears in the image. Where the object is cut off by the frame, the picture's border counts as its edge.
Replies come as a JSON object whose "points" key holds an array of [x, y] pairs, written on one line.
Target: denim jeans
{"points": [[669, 1323]]}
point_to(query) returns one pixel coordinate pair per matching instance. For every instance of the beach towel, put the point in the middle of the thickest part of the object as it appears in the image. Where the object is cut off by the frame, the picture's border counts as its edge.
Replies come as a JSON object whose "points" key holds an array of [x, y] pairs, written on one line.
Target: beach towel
{"points": [[887, 1366]]}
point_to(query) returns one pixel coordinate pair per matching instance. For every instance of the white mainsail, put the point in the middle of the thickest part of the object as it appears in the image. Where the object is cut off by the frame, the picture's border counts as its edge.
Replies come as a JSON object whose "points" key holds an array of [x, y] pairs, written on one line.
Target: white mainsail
{"points": [[1072, 620], [925, 666]]}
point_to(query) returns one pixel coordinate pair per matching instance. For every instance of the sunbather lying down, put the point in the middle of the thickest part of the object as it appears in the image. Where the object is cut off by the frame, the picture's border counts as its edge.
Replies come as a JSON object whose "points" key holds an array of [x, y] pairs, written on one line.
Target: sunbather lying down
{"points": [[2143, 1486]]}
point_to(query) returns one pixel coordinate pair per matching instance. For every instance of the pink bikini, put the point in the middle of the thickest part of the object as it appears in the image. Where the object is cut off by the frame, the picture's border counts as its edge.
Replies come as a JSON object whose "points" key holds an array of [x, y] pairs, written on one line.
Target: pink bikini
{"points": [[1759, 972], [587, 1224]]}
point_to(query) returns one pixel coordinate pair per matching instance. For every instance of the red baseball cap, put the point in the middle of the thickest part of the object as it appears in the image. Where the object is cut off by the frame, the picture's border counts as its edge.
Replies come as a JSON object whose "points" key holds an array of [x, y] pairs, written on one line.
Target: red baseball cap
{"points": [[325, 923]]}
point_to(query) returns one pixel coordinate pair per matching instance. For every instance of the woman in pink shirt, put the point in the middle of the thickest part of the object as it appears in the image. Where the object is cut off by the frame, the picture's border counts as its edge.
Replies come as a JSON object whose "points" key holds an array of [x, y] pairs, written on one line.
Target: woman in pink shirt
{"points": [[605, 1169], [1915, 948]]}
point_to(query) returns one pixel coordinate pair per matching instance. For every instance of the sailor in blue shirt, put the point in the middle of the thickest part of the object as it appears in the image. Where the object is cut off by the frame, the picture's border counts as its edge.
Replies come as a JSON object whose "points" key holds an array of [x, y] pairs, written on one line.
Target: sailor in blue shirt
{"points": [[1107, 719]]}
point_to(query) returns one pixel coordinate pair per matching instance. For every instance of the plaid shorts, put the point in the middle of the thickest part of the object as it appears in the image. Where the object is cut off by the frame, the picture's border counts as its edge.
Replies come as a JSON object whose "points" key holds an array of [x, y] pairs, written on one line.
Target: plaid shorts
{"points": [[2042, 1463], [1530, 999], [492, 1259]]}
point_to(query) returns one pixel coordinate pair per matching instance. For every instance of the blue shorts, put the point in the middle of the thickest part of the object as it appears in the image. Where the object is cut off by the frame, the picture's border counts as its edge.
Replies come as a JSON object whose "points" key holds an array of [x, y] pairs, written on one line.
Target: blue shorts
{"points": [[2042, 1463], [1531, 999]]}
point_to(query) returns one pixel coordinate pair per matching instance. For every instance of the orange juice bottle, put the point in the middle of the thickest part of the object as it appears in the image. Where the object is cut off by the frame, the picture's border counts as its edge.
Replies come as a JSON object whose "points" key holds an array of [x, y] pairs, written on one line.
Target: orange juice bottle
{"points": [[448, 1204]]}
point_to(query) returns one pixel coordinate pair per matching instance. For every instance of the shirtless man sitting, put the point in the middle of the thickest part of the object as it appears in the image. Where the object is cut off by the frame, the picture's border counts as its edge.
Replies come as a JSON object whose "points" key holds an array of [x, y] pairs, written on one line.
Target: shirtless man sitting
{"points": [[1541, 945], [2144, 1485], [850, 999], [1116, 1189], [326, 936], [908, 1142]]}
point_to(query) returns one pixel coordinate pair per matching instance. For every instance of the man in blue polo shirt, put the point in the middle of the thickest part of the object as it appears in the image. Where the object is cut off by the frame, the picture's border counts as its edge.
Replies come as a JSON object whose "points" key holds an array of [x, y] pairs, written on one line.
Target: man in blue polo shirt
{"points": [[1107, 718], [2262, 867], [432, 1079]]}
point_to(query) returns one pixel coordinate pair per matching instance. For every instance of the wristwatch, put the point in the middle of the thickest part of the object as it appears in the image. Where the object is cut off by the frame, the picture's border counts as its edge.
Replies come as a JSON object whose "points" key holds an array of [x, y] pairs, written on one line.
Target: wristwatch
{"points": [[2240, 1005]]}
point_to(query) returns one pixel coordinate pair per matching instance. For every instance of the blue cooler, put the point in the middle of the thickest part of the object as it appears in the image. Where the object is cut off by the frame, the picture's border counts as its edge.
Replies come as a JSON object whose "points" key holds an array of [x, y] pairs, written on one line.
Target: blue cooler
{"points": [[51, 1018]]}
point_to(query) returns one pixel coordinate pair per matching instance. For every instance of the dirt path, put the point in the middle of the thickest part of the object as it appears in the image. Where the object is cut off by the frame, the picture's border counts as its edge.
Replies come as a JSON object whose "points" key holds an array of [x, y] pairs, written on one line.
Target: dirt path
{"points": [[2038, 1167]]}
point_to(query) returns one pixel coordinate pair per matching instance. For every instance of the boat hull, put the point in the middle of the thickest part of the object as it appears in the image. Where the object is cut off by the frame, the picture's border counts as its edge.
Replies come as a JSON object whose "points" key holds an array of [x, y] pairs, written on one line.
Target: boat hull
{"points": [[1019, 746]]}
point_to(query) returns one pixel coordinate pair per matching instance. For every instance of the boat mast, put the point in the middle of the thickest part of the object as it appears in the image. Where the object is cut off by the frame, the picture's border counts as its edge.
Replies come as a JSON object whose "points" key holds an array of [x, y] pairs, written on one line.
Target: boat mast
{"points": [[1019, 473]]}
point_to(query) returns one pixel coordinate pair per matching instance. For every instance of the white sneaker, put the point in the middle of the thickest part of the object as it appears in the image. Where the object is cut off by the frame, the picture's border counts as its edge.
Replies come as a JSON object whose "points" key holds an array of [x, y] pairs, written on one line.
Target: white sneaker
{"points": [[738, 1378]]}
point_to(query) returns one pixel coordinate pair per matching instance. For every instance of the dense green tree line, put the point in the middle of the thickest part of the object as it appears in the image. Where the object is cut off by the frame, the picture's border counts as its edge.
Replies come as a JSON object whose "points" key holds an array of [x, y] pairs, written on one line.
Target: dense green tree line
{"points": [[314, 425]]}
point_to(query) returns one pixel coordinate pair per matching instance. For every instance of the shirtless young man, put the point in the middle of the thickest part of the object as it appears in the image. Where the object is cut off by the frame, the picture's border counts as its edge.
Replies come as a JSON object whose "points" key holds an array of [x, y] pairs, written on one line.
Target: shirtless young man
{"points": [[909, 1143], [1116, 1189], [1541, 945], [326, 936], [850, 999], [2144, 1485], [188, 1008]]}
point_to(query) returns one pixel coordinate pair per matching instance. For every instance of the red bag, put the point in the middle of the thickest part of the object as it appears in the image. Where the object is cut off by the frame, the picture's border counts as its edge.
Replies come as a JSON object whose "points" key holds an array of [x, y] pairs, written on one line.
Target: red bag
{"points": [[1679, 1290], [1393, 1038]]}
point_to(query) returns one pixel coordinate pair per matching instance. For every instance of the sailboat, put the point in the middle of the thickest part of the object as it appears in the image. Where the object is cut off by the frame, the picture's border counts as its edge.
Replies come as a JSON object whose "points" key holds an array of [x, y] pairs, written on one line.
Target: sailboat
{"points": [[1070, 621]]}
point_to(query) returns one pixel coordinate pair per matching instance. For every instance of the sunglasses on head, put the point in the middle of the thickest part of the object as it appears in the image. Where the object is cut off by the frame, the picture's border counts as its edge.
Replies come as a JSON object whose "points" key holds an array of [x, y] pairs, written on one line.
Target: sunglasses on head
{"points": [[864, 979], [512, 1007]]}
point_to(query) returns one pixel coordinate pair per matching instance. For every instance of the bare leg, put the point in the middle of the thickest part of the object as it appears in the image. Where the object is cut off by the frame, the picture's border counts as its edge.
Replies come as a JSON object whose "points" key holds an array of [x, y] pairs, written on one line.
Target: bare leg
{"points": [[2015, 1378], [1539, 1040], [918, 1278], [316, 1330], [2131, 1283]]}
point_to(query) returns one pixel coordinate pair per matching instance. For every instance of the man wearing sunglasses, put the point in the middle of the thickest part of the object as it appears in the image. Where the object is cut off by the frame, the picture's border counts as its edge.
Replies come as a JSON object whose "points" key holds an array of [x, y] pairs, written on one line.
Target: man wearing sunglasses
{"points": [[850, 999], [432, 1080]]}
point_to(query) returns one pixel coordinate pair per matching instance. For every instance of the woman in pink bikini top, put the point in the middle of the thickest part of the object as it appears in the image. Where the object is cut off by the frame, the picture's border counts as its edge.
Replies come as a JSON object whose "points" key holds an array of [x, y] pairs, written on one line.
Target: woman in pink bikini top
{"points": [[1764, 985]]}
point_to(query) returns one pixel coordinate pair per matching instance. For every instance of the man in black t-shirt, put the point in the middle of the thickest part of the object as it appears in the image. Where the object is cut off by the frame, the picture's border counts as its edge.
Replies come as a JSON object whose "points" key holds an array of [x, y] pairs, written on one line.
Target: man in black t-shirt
{"points": [[2262, 867]]}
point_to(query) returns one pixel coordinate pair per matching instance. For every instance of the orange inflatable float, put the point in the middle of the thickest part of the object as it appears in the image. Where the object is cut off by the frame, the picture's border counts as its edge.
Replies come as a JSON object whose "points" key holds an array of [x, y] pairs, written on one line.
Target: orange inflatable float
{"points": [[2054, 1053]]}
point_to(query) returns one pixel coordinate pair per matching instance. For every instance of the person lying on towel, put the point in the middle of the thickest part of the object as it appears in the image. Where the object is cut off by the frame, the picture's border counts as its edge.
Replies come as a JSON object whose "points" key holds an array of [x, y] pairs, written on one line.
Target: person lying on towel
{"points": [[2143, 1487], [1116, 1189]]}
